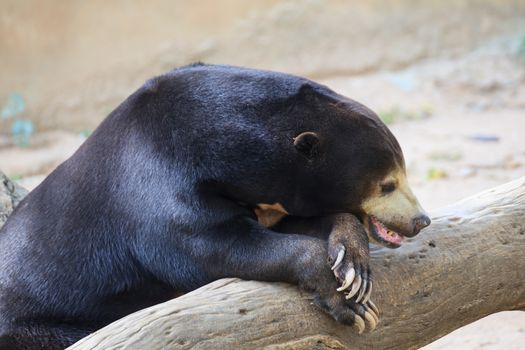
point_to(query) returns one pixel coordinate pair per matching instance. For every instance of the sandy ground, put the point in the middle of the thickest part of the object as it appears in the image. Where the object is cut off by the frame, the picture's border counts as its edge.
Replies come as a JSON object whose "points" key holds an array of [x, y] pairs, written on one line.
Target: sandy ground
{"points": [[455, 98]]}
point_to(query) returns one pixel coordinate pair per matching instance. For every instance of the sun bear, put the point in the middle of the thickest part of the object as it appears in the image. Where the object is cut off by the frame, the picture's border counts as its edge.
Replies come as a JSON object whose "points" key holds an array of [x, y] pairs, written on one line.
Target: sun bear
{"points": [[167, 193]]}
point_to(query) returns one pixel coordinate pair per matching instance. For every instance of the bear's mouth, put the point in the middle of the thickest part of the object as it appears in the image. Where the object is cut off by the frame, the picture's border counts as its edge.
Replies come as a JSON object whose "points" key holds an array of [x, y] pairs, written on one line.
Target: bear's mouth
{"points": [[382, 234]]}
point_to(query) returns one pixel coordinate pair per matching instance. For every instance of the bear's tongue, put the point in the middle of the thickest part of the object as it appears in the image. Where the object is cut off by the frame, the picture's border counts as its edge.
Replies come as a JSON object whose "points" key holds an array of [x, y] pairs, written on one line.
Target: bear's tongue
{"points": [[385, 233]]}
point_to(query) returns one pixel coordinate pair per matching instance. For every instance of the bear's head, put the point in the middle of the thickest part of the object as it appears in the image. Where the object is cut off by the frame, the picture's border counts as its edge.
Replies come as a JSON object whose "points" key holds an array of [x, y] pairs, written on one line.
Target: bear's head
{"points": [[359, 165], [292, 146]]}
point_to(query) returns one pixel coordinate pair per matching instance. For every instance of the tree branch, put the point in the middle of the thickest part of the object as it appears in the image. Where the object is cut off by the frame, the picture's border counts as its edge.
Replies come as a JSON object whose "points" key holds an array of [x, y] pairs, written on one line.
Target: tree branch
{"points": [[468, 264]]}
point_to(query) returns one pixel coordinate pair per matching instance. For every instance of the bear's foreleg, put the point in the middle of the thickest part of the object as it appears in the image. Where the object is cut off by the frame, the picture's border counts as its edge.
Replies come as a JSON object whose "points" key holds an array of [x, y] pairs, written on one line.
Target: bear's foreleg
{"points": [[348, 252], [245, 249]]}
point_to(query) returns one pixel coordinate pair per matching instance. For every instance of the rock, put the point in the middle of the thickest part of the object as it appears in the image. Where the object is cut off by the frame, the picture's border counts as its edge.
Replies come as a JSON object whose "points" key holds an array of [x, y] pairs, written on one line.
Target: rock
{"points": [[10, 195]]}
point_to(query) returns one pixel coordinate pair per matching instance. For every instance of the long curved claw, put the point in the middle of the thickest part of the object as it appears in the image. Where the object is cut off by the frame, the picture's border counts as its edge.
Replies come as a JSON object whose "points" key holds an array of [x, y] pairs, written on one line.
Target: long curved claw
{"points": [[368, 309], [371, 320], [362, 291], [339, 258], [368, 293], [360, 324], [373, 307], [355, 287], [348, 280]]}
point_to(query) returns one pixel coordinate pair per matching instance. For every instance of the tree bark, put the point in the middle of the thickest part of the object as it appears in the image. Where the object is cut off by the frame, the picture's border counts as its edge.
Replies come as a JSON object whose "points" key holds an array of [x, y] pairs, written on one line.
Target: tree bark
{"points": [[468, 264]]}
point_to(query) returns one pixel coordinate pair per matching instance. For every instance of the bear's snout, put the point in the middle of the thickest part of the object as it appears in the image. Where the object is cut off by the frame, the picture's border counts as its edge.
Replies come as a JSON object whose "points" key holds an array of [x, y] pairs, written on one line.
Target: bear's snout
{"points": [[420, 222]]}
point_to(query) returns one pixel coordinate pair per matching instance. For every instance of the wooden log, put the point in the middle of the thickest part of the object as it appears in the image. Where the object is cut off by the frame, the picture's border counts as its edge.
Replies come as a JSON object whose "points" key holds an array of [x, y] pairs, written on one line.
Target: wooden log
{"points": [[468, 264]]}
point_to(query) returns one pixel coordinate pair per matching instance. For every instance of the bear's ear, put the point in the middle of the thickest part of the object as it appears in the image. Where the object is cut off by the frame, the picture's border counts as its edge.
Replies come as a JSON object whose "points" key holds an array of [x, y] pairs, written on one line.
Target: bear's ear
{"points": [[306, 143], [306, 92]]}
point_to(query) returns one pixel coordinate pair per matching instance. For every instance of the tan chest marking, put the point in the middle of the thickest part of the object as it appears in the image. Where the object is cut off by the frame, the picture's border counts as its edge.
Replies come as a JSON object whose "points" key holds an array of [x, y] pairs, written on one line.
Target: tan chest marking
{"points": [[270, 214]]}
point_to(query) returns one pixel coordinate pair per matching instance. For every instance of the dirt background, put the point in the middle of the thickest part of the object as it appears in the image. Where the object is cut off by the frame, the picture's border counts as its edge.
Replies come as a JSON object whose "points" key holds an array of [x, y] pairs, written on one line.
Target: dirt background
{"points": [[447, 76]]}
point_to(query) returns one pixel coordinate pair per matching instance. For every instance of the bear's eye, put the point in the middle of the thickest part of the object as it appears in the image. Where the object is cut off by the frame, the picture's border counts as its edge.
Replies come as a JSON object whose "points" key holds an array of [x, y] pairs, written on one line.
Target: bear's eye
{"points": [[388, 187]]}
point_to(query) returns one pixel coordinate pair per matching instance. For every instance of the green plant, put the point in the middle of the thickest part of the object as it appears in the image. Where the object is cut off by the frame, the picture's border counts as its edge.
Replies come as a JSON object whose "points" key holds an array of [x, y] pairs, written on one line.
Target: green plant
{"points": [[21, 129], [436, 174], [85, 133], [521, 47], [395, 114], [15, 178]]}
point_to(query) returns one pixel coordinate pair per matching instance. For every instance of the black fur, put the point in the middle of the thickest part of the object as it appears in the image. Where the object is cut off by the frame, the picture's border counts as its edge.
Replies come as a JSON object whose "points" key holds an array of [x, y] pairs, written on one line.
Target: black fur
{"points": [[160, 198]]}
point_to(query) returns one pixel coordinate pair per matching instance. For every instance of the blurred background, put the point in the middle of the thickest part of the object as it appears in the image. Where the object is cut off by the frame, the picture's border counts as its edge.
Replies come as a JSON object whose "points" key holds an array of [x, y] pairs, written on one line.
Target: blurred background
{"points": [[448, 77]]}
